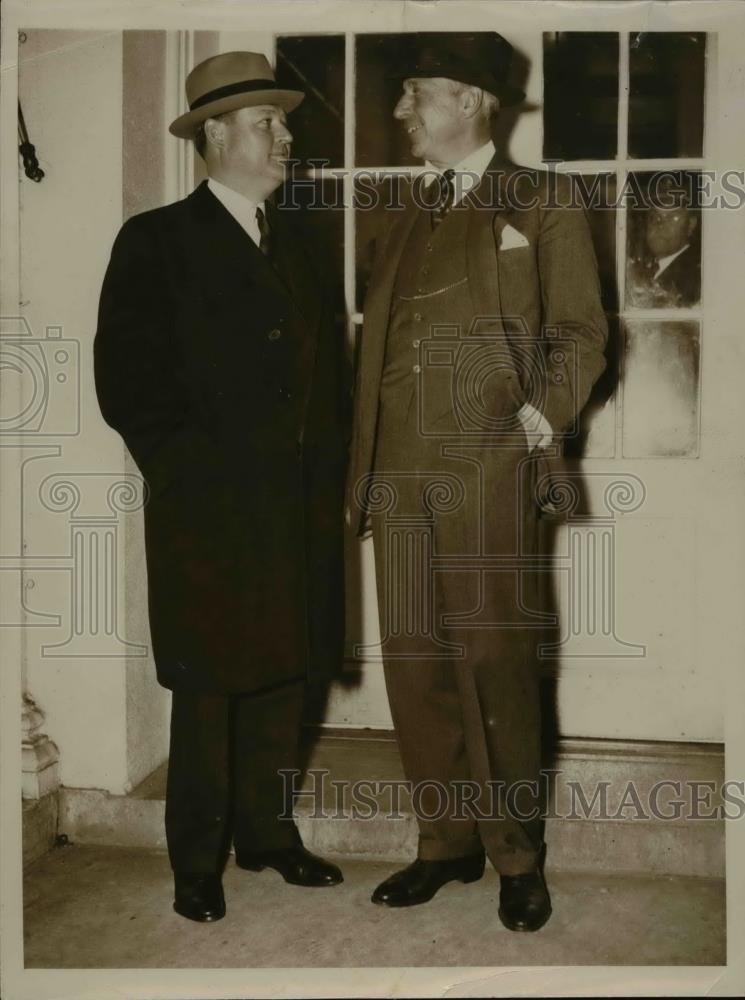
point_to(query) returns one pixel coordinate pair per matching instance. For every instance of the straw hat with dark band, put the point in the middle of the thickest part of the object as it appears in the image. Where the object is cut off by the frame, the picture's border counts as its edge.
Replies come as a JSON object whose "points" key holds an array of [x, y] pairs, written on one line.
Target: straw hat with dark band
{"points": [[227, 82]]}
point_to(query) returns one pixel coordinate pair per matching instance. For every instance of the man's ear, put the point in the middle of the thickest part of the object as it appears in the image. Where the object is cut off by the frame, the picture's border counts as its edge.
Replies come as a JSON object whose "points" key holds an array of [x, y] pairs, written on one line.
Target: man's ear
{"points": [[214, 131], [471, 100]]}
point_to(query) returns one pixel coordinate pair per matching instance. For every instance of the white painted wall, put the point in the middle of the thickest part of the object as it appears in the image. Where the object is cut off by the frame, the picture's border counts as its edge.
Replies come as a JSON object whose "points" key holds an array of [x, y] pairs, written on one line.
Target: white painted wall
{"points": [[71, 90]]}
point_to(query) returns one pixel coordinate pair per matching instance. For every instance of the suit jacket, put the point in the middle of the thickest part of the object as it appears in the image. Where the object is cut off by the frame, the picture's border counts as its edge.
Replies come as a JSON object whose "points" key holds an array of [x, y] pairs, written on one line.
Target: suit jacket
{"points": [[548, 285], [224, 376]]}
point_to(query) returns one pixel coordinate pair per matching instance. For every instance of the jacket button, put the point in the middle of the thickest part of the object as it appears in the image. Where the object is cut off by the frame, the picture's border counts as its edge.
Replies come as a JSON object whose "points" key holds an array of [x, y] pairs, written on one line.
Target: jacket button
{"points": [[418, 317], [417, 369], [558, 379], [274, 334]]}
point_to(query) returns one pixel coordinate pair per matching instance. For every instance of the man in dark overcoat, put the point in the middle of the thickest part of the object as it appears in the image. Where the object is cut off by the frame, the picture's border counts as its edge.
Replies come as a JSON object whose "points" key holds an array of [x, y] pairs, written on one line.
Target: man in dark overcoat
{"points": [[217, 360], [460, 397]]}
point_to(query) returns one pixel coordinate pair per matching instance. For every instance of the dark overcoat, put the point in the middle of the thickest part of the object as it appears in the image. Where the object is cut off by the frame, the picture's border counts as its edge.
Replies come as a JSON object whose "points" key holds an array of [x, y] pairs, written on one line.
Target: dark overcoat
{"points": [[224, 374]]}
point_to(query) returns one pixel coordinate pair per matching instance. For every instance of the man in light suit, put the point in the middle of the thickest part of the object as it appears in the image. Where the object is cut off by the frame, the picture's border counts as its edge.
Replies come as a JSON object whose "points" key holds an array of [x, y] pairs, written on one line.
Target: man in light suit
{"points": [[459, 399], [217, 360]]}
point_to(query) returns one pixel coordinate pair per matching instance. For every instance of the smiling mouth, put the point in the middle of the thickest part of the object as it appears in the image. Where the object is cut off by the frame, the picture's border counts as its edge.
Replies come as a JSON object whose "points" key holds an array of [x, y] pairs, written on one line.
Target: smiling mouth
{"points": [[412, 128]]}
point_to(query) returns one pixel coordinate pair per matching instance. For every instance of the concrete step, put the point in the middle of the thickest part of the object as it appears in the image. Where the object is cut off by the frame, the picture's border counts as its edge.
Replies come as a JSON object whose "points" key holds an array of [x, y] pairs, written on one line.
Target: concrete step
{"points": [[336, 815]]}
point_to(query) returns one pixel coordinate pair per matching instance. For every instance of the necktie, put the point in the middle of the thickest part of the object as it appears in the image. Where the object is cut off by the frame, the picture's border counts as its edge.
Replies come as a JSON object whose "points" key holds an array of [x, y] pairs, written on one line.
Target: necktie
{"points": [[265, 233], [445, 200]]}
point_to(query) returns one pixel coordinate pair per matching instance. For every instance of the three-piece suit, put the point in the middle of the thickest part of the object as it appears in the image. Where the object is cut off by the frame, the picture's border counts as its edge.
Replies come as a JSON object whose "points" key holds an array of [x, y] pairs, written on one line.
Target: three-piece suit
{"points": [[454, 343]]}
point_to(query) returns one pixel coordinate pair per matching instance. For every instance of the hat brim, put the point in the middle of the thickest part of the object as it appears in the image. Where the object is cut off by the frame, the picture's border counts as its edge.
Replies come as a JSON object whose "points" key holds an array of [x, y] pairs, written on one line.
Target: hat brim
{"points": [[185, 126]]}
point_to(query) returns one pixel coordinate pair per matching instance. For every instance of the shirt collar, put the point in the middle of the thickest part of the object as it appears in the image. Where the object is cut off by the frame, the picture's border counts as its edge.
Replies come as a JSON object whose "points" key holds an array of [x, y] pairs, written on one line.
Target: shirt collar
{"points": [[664, 262], [237, 204], [471, 169]]}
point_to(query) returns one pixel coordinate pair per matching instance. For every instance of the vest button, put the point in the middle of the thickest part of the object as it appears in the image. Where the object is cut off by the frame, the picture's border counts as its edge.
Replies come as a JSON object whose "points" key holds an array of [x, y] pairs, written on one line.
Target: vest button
{"points": [[415, 343], [274, 334], [418, 317], [417, 369]]}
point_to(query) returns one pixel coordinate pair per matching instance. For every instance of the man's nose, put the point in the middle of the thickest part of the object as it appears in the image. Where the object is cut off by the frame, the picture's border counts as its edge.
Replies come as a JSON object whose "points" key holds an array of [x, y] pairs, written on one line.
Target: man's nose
{"points": [[403, 108], [284, 134]]}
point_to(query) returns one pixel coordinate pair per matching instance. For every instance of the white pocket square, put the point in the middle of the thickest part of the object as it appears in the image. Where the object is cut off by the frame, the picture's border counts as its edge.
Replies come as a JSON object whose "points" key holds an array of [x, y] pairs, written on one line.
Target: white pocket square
{"points": [[511, 239]]}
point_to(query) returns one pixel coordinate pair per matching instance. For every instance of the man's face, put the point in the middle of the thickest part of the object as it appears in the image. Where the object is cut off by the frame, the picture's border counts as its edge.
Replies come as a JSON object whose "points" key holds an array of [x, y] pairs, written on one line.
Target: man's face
{"points": [[257, 143], [429, 110], [668, 229]]}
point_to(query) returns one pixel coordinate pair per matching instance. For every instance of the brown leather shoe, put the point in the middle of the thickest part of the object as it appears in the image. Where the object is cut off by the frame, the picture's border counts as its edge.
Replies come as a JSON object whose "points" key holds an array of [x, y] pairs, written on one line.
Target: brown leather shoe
{"points": [[524, 903], [296, 865], [198, 897], [419, 882]]}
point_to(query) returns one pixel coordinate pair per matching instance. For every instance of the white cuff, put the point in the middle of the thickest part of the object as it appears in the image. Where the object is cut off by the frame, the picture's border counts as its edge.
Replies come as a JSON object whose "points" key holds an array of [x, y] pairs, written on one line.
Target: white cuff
{"points": [[534, 422]]}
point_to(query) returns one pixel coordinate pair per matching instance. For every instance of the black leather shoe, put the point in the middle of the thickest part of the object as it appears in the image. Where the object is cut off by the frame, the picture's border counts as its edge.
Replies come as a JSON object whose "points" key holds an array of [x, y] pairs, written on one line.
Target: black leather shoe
{"points": [[199, 897], [420, 881], [296, 865], [524, 903]]}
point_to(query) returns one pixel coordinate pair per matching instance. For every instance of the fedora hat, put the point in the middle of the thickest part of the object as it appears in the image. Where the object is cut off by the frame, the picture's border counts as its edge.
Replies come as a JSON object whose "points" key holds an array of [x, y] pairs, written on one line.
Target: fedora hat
{"points": [[479, 58], [227, 82]]}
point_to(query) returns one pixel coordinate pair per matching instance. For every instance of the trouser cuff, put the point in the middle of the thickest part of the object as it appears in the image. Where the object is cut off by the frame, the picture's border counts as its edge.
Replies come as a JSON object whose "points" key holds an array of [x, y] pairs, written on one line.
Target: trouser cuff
{"points": [[515, 862], [447, 850]]}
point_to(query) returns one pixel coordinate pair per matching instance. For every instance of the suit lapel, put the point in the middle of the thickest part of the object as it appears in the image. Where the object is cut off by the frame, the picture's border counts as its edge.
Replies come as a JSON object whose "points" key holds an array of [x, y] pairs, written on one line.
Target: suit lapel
{"points": [[294, 268], [227, 256], [378, 307], [485, 223]]}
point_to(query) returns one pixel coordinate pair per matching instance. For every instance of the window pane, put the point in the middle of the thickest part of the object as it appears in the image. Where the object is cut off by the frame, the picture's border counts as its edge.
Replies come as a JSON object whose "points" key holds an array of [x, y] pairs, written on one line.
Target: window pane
{"points": [[315, 65], [380, 141], [663, 243], [666, 98], [580, 95], [660, 392]]}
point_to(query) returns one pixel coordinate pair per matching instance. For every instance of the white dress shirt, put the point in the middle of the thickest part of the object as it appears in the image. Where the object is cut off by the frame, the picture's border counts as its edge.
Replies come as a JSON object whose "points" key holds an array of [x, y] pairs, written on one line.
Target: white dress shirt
{"points": [[241, 208], [468, 174], [469, 171], [665, 262]]}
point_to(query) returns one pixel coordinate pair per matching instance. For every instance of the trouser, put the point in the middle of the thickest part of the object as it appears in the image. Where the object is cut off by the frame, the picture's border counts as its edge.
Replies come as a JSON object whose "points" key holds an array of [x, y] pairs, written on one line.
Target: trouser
{"points": [[224, 780], [470, 748], [458, 646], [468, 724]]}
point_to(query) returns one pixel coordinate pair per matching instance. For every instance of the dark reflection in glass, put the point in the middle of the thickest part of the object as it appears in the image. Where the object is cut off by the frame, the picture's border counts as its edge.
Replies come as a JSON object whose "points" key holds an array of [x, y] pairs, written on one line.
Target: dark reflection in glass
{"points": [[666, 96], [580, 96], [660, 390], [315, 65], [380, 140], [378, 202], [663, 243]]}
